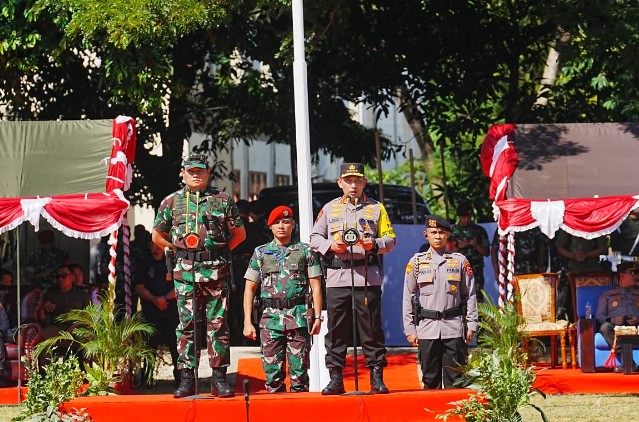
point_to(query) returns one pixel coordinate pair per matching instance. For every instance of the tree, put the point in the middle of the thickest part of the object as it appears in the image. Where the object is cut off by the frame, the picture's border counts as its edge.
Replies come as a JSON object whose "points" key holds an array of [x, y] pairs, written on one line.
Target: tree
{"points": [[225, 70]]}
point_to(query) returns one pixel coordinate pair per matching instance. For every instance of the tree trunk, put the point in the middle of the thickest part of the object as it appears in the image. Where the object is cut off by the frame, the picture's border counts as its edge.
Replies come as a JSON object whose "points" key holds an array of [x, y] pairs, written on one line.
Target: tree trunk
{"points": [[420, 132]]}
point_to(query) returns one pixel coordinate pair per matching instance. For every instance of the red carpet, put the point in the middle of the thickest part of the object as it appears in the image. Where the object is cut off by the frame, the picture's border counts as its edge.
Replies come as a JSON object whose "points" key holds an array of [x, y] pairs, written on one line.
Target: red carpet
{"points": [[407, 402]]}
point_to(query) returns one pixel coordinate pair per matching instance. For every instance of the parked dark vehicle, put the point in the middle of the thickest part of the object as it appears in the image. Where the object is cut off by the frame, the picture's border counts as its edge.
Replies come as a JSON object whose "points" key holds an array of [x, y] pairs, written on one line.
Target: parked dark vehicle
{"points": [[397, 200]]}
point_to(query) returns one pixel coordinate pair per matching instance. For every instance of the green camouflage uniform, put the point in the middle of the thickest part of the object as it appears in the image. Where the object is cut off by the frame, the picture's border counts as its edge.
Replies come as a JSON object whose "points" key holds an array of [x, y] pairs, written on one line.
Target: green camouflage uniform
{"points": [[45, 261], [217, 212], [466, 233], [527, 251], [284, 272]]}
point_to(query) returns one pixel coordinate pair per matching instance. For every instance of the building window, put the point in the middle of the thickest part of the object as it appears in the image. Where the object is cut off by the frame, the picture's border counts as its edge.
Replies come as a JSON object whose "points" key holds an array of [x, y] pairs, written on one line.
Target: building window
{"points": [[282, 180], [257, 182]]}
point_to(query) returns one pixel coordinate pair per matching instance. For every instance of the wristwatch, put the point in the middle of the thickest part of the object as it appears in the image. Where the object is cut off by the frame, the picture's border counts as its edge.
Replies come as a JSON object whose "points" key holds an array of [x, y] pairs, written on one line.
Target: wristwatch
{"points": [[320, 317]]}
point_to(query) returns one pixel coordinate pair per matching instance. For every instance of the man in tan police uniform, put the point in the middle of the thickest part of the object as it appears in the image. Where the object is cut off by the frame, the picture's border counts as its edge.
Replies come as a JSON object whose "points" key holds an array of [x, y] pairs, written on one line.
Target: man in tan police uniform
{"points": [[442, 282], [369, 217]]}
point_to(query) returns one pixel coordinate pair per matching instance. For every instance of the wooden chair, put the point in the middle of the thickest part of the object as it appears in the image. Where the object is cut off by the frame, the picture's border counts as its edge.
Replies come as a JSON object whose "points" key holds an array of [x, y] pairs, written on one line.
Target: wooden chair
{"points": [[537, 295], [576, 280]]}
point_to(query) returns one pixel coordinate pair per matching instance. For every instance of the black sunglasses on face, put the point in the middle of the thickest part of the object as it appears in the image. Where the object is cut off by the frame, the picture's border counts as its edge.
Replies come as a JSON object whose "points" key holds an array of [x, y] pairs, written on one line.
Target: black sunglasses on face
{"points": [[63, 275]]}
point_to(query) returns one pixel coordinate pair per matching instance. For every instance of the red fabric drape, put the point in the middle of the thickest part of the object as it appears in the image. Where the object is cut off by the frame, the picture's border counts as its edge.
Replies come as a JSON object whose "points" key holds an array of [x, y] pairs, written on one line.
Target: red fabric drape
{"points": [[584, 217], [499, 159], [11, 214], [79, 215]]}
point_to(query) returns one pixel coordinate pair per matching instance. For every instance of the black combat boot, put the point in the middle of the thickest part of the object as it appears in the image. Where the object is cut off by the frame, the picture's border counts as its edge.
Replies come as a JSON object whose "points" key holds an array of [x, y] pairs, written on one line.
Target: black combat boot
{"points": [[336, 385], [377, 380], [219, 387], [187, 384]]}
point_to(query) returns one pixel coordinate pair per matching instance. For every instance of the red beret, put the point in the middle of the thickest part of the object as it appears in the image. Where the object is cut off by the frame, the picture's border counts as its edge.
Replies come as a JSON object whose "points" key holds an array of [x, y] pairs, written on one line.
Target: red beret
{"points": [[279, 212]]}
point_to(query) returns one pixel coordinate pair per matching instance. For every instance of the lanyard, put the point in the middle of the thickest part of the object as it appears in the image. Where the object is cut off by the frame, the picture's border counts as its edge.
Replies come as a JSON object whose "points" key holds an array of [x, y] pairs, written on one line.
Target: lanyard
{"points": [[197, 209]]}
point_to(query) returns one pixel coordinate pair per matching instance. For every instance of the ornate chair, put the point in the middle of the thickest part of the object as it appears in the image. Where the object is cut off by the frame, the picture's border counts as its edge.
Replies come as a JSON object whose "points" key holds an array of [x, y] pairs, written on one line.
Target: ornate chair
{"points": [[537, 295], [24, 341]]}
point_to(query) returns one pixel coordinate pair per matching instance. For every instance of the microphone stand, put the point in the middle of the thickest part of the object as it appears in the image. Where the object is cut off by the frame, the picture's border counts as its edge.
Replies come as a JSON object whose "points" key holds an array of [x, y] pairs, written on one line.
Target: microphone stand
{"points": [[246, 397], [351, 237]]}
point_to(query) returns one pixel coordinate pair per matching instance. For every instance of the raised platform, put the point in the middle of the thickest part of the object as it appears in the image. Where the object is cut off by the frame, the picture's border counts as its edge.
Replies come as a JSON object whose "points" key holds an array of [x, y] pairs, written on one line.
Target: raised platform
{"points": [[407, 402]]}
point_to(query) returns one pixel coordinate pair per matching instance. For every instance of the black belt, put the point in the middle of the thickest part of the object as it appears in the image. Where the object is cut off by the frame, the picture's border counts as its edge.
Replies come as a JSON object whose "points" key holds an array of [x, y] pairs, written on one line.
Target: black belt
{"points": [[337, 263], [198, 255], [448, 313], [286, 303]]}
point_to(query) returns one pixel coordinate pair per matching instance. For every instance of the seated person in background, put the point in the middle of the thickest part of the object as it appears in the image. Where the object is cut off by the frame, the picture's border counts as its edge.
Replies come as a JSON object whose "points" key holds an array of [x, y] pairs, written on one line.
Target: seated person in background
{"points": [[78, 276], [4, 332], [582, 254], [6, 277], [619, 306], [59, 300]]}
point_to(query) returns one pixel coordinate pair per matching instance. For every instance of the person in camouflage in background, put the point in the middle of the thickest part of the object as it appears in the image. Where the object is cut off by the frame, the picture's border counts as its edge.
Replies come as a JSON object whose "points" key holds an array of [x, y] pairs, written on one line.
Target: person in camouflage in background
{"points": [[530, 252], [286, 271], [471, 240], [201, 224]]}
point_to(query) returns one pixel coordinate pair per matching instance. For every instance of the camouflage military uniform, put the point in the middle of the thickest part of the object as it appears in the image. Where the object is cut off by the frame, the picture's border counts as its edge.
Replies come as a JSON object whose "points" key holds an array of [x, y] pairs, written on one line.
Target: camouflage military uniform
{"points": [[529, 251], [211, 218], [46, 262], [473, 231], [284, 272]]}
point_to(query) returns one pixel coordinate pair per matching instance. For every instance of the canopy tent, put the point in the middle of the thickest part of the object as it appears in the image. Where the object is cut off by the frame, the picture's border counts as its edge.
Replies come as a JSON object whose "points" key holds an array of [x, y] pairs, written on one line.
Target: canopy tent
{"points": [[71, 173], [579, 177]]}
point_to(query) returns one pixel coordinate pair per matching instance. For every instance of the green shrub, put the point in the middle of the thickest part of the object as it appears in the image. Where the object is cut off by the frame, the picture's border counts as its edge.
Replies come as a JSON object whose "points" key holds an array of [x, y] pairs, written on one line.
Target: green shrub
{"points": [[497, 370], [56, 383]]}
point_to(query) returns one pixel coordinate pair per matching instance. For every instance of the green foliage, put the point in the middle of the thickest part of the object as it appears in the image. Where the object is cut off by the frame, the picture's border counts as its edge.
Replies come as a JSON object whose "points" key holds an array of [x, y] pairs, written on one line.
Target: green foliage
{"points": [[497, 370], [112, 347], [56, 383]]}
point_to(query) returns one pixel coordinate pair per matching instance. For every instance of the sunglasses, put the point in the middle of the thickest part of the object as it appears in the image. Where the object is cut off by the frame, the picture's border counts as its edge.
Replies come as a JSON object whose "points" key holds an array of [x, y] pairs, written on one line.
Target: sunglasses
{"points": [[63, 275]]}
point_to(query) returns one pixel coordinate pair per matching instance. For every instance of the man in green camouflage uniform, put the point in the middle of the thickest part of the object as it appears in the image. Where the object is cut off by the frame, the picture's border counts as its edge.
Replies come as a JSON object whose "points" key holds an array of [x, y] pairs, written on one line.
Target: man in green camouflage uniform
{"points": [[530, 252], [201, 224], [286, 271], [471, 241]]}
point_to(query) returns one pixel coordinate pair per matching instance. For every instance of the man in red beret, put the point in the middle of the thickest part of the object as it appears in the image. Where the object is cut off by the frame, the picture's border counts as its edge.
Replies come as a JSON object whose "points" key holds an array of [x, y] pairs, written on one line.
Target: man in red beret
{"points": [[289, 274]]}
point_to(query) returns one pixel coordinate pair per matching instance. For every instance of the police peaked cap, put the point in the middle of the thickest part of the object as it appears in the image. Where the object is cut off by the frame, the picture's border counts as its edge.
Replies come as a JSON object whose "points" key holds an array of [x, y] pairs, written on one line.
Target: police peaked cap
{"points": [[436, 221], [279, 212], [351, 169]]}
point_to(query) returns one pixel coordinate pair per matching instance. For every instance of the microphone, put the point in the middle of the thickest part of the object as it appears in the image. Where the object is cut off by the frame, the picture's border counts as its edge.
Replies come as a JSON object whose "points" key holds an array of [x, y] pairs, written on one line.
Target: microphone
{"points": [[246, 390]]}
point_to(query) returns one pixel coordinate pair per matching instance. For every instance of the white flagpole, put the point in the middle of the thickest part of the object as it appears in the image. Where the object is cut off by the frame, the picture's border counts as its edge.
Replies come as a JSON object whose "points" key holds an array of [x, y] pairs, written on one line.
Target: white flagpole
{"points": [[317, 372], [302, 135]]}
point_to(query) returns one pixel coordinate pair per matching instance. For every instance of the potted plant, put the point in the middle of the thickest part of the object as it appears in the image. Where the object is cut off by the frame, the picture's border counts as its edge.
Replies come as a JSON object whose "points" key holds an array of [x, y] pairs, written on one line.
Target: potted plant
{"points": [[497, 370], [112, 347]]}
